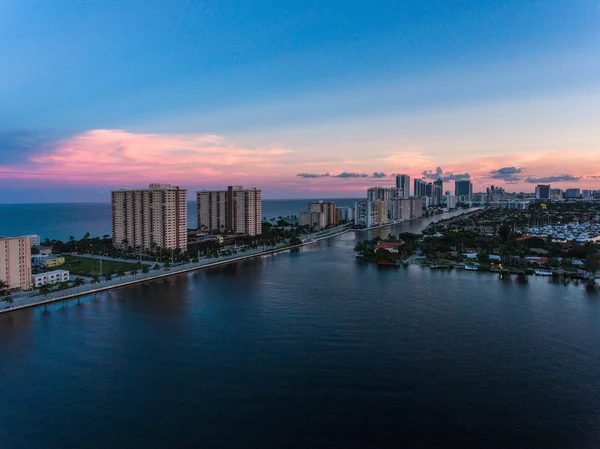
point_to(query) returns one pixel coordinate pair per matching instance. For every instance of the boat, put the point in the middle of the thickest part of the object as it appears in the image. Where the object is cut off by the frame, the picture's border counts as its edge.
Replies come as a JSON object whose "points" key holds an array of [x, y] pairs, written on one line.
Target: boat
{"points": [[543, 273], [471, 268], [439, 267]]}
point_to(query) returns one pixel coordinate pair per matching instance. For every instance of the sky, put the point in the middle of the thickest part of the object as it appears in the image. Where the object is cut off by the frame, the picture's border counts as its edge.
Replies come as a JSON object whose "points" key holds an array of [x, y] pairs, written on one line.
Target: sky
{"points": [[303, 99]]}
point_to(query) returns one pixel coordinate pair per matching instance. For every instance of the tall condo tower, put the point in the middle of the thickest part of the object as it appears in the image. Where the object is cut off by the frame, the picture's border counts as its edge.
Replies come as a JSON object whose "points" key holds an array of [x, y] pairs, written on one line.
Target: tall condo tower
{"points": [[236, 210], [150, 218]]}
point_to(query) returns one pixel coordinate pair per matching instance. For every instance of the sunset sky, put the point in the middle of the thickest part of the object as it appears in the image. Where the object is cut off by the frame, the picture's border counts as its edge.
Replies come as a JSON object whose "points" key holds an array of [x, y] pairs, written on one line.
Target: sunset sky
{"points": [[304, 99]]}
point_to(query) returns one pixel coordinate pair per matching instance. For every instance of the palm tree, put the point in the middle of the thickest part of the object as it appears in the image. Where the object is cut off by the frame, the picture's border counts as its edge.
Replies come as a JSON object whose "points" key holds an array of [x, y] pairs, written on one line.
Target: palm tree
{"points": [[95, 279], [108, 277], [133, 273], [78, 282], [3, 287], [145, 269], [44, 290], [156, 267], [8, 299]]}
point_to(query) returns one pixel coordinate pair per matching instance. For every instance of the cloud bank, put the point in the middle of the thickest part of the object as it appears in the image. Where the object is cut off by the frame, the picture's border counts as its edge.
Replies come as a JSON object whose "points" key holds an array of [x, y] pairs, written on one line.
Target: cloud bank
{"points": [[507, 174], [342, 175], [557, 178], [445, 176]]}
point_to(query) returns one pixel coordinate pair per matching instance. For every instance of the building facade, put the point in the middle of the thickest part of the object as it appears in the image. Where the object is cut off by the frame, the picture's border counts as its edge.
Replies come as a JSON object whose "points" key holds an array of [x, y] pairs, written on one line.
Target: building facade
{"points": [[542, 192], [403, 182], [15, 262], [51, 277], [35, 239], [344, 214], [316, 220], [437, 193], [419, 188], [328, 208], [463, 190], [235, 210], [150, 218]]}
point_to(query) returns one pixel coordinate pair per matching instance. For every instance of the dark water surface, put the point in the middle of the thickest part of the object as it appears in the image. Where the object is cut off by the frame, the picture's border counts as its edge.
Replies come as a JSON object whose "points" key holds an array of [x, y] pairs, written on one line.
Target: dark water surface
{"points": [[307, 350]]}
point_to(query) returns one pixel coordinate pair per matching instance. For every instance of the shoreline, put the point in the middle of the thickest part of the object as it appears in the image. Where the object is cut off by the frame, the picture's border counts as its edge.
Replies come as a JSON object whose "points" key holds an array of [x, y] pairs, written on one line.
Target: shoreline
{"points": [[174, 272]]}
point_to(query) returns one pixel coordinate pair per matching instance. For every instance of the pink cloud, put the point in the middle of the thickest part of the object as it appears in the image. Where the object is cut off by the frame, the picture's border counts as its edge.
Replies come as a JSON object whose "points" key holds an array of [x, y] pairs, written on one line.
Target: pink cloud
{"points": [[118, 156]]}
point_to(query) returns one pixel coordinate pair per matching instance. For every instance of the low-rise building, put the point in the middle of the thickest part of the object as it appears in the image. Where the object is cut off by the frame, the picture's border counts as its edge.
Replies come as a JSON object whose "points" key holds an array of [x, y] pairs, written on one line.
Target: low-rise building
{"points": [[46, 261], [51, 277]]}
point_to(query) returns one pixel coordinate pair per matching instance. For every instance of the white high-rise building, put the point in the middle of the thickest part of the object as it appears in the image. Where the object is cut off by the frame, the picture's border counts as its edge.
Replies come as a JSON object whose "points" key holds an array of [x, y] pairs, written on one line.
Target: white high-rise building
{"points": [[150, 218], [235, 210], [15, 262]]}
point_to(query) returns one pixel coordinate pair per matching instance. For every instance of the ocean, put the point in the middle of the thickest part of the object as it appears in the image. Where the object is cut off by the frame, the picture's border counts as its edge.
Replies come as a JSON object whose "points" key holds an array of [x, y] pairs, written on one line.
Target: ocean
{"points": [[60, 221]]}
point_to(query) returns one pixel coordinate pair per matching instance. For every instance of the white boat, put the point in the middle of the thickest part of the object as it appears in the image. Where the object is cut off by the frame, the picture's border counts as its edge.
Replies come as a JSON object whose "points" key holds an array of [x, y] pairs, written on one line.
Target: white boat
{"points": [[471, 268], [543, 273]]}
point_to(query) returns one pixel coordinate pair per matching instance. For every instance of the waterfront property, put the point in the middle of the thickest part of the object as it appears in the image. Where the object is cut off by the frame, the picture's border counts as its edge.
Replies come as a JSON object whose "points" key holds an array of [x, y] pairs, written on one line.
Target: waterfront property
{"points": [[50, 277], [235, 210], [15, 262], [150, 218]]}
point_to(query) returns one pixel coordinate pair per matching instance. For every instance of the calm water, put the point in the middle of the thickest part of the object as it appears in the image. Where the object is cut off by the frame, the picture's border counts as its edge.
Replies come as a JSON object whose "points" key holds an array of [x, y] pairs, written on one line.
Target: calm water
{"points": [[60, 221], [307, 350]]}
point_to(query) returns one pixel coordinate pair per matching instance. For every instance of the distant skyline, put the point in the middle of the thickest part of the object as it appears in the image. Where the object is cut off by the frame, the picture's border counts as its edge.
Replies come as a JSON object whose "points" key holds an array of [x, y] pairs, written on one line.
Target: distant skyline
{"points": [[301, 99]]}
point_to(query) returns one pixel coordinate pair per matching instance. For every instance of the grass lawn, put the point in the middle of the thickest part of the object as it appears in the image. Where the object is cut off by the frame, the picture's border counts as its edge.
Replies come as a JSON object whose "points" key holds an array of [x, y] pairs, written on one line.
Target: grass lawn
{"points": [[89, 267]]}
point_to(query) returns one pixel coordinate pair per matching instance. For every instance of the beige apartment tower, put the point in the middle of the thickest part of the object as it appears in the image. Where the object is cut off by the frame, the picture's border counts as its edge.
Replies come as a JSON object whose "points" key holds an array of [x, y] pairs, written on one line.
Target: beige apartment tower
{"points": [[235, 210], [328, 208], [15, 262], [150, 218]]}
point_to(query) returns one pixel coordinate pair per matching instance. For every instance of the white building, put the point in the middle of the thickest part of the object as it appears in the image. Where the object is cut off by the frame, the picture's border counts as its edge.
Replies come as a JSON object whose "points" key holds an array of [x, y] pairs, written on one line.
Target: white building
{"points": [[15, 262], [384, 193], [35, 239], [451, 201], [371, 213], [150, 218], [51, 277]]}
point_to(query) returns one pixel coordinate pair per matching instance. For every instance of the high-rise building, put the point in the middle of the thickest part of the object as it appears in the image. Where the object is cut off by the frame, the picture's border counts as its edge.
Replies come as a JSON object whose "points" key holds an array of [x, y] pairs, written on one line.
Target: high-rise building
{"points": [[419, 188], [429, 190], [437, 193], [542, 192], [150, 218], [327, 207], [344, 214], [212, 210], [451, 201], [315, 220], [371, 213], [235, 210], [572, 193], [384, 193], [463, 189], [15, 262], [403, 182]]}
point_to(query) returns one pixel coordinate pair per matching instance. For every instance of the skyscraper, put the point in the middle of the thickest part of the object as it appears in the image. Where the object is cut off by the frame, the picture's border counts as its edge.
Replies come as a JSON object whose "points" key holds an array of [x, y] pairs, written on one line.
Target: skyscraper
{"points": [[150, 218], [235, 210], [542, 192], [419, 188], [403, 182], [438, 188], [463, 189]]}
